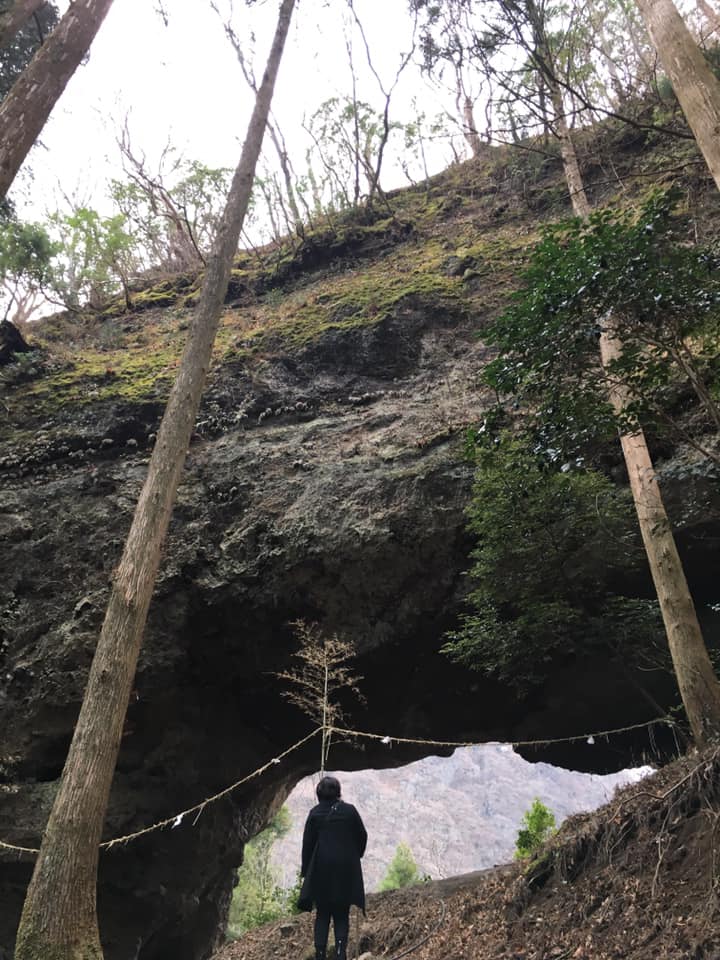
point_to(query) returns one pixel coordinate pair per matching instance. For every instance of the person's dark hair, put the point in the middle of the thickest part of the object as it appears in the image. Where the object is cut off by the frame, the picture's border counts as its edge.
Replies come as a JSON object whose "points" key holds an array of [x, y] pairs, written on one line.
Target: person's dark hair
{"points": [[328, 789]]}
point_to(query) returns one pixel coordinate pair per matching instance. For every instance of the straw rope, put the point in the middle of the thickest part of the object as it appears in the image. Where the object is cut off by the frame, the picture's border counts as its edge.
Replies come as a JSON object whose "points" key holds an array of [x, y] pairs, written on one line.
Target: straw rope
{"points": [[176, 819], [588, 737]]}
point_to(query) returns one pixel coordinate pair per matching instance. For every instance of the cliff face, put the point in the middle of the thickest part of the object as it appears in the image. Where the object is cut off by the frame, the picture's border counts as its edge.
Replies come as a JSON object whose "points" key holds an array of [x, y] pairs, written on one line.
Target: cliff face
{"points": [[325, 481]]}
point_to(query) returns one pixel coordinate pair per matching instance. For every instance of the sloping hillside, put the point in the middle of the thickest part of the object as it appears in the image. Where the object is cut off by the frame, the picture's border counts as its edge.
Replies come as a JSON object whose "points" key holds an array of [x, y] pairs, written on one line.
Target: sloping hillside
{"points": [[637, 880]]}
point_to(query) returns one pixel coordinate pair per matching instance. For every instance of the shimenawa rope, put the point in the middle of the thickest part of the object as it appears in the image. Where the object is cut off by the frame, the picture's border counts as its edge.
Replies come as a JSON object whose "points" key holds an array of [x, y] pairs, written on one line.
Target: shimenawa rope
{"points": [[176, 819]]}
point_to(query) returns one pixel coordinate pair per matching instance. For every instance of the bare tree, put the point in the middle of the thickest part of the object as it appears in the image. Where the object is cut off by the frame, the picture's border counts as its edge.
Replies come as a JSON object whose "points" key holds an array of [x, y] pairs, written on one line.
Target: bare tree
{"points": [[321, 674], [59, 919], [405, 58], [710, 15], [25, 110], [278, 140], [180, 248]]}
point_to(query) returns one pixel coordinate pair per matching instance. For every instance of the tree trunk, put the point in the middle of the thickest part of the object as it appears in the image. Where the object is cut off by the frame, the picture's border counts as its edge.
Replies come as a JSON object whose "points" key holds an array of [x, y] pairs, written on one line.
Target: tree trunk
{"points": [[25, 110], [469, 128], [694, 83], [59, 919], [699, 688], [281, 150], [16, 17], [694, 672], [571, 167], [541, 54]]}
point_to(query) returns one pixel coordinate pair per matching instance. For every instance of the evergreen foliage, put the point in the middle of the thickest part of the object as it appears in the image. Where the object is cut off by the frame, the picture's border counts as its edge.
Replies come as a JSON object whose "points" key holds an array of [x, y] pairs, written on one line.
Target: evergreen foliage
{"points": [[402, 871], [26, 252], [551, 541], [636, 271], [538, 826], [94, 255], [258, 898]]}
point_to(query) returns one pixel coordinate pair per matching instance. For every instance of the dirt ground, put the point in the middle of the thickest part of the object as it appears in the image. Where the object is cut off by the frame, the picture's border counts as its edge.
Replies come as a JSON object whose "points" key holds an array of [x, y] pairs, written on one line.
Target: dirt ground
{"points": [[638, 879]]}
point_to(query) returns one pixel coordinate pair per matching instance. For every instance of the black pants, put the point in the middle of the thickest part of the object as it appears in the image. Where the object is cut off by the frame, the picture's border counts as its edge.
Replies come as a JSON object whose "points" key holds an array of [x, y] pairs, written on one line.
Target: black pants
{"points": [[340, 914]]}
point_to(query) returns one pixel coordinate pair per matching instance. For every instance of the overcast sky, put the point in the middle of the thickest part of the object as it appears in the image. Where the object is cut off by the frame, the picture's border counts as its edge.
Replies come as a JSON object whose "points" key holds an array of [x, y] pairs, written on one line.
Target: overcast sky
{"points": [[182, 81]]}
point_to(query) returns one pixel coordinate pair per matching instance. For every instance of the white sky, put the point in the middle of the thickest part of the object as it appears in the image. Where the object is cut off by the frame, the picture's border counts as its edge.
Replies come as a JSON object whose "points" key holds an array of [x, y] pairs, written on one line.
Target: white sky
{"points": [[183, 81]]}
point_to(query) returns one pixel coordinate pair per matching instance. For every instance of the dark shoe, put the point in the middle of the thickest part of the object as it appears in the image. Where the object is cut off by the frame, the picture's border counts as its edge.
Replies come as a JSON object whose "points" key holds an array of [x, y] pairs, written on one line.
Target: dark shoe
{"points": [[341, 950], [320, 953]]}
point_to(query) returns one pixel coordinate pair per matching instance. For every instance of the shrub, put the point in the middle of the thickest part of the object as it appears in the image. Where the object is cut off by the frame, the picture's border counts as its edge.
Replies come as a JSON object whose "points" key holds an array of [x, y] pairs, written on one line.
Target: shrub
{"points": [[538, 826], [403, 870]]}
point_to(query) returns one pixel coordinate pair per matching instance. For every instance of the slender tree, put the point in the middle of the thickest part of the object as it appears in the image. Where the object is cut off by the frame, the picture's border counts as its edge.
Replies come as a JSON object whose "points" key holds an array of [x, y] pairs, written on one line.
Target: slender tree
{"points": [[373, 170], [696, 678], [694, 671], [695, 85], [526, 21], [59, 919], [273, 127], [26, 108], [321, 674]]}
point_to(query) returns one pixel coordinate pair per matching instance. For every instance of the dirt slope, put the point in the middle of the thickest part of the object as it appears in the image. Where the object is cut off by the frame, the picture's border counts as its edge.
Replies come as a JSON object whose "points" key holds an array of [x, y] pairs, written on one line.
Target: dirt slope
{"points": [[637, 880]]}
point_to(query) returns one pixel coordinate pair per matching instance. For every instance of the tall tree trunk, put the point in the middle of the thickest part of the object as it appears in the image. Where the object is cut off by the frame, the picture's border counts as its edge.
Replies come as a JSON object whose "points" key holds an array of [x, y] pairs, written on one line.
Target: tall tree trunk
{"points": [[469, 128], [14, 19], [284, 160], [542, 103], [571, 167], [59, 919], [464, 107], [25, 110], [699, 688], [604, 46], [695, 85]]}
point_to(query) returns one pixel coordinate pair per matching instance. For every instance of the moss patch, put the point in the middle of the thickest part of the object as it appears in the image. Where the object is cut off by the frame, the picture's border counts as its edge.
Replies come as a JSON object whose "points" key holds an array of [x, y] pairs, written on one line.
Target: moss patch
{"points": [[354, 270]]}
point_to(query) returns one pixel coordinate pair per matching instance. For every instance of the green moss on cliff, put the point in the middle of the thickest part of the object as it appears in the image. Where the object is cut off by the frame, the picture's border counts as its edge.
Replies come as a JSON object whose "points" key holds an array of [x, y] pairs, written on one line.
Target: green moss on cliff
{"points": [[121, 375], [356, 298], [454, 244]]}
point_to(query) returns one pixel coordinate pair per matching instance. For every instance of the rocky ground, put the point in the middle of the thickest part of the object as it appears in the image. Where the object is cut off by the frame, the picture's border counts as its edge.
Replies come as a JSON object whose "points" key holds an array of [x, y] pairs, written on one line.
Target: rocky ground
{"points": [[636, 880]]}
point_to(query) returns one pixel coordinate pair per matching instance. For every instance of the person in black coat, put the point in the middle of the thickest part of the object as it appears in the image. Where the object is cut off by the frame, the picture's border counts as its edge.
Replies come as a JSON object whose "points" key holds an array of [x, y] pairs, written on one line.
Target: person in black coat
{"points": [[333, 843]]}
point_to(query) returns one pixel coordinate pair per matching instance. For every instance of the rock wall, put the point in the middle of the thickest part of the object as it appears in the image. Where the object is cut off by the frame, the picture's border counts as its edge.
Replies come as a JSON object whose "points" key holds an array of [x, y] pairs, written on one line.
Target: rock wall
{"points": [[326, 481]]}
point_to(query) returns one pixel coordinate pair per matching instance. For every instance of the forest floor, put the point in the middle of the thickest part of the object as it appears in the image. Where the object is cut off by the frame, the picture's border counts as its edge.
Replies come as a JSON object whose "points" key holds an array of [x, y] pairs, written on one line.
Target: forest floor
{"points": [[637, 879]]}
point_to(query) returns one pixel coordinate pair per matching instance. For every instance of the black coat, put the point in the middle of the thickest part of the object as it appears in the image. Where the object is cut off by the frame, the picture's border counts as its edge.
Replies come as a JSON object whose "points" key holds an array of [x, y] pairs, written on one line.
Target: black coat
{"points": [[333, 843]]}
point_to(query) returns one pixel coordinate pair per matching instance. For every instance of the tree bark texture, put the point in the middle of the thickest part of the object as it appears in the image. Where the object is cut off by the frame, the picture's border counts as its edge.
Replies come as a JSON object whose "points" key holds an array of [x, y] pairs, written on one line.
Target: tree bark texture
{"points": [[15, 18], [695, 675], [25, 110], [59, 919], [695, 85]]}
